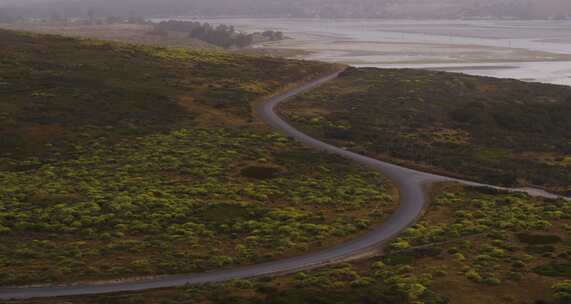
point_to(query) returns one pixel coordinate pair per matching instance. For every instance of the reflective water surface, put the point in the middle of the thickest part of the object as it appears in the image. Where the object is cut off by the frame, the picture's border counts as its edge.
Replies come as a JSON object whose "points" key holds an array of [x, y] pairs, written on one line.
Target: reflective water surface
{"points": [[526, 50]]}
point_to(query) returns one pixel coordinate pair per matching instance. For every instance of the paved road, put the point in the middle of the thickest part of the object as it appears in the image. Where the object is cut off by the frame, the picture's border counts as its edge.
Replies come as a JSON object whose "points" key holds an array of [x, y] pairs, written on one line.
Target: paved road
{"points": [[412, 200]]}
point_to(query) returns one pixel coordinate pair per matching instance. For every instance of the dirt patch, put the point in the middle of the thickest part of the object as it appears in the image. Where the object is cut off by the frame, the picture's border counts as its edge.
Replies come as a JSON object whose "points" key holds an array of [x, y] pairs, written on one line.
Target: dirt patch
{"points": [[210, 116], [260, 172], [538, 239]]}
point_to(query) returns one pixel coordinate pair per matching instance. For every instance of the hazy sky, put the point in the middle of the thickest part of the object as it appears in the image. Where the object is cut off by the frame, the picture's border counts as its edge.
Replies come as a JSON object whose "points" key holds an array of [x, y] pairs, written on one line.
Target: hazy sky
{"points": [[397, 8], [11, 2]]}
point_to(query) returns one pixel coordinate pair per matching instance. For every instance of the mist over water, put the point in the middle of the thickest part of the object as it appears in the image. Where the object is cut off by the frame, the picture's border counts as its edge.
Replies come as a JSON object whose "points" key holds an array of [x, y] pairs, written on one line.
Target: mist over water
{"points": [[480, 37], [526, 50]]}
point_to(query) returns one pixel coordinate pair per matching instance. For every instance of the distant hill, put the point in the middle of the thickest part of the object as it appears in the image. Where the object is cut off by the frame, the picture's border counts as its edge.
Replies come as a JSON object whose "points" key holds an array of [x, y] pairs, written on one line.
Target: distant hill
{"points": [[498, 131], [297, 8], [521, 8]]}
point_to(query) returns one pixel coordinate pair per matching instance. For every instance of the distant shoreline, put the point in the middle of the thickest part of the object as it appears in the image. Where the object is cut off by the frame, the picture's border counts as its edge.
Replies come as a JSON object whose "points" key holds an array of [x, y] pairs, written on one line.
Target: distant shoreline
{"points": [[468, 67]]}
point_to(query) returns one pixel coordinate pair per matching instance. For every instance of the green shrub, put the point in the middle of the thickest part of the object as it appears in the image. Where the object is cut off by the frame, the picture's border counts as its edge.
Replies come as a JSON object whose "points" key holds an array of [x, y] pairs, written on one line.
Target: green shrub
{"points": [[538, 239], [554, 269], [474, 276], [539, 249], [562, 290]]}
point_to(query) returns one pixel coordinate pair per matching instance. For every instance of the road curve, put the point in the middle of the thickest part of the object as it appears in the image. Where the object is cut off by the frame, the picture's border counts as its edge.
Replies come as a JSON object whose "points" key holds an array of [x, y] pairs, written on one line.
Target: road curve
{"points": [[412, 200]]}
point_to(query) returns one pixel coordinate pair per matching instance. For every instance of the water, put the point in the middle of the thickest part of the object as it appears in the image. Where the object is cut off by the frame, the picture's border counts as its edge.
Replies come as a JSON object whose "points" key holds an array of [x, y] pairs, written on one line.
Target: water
{"points": [[526, 50], [546, 72]]}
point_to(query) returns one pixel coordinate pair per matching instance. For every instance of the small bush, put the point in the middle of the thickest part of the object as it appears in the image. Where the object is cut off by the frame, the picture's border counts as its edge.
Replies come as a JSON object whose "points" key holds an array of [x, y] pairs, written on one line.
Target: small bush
{"points": [[562, 290], [538, 239], [260, 172], [539, 249], [554, 269]]}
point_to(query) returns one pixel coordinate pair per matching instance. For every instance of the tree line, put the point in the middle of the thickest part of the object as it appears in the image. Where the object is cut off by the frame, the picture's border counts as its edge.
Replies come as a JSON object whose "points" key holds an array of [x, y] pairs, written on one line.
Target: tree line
{"points": [[221, 35]]}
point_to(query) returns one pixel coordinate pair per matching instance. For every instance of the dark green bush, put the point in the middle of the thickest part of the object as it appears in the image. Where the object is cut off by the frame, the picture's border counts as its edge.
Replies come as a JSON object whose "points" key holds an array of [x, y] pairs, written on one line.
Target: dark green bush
{"points": [[554, 269], [538, 239]]}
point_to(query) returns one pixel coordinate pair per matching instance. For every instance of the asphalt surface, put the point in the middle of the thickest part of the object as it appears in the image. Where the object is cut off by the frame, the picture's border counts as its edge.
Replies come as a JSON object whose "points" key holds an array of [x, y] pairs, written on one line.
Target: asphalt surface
{"points": [[412, 200]]}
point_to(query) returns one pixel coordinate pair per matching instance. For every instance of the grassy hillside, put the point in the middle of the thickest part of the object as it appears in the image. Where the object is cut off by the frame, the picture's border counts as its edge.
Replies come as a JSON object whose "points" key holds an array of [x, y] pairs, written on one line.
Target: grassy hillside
{"points": [[129, 33], [503, 132], [120, 161], [56, 88], [473, 246]]}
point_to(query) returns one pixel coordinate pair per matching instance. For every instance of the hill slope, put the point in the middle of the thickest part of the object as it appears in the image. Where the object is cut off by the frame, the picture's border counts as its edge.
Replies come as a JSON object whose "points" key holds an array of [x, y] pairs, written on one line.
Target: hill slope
{"points": [[193, 182], [120, 160], [55, 88], [503, 132]]}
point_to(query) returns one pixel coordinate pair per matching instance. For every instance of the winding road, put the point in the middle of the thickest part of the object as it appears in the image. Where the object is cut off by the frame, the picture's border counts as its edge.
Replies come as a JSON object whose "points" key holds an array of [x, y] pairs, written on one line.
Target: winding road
{"points": [[412, 200]]}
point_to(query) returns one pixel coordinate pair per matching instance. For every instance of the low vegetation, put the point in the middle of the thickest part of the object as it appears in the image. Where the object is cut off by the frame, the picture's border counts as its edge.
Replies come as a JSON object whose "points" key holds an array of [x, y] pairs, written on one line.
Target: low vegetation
{"points": [[191, 35], [509, 247], [58, 90], [120, 161], [139, 33], [472, 246], [184, 201], [502, 132]]}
